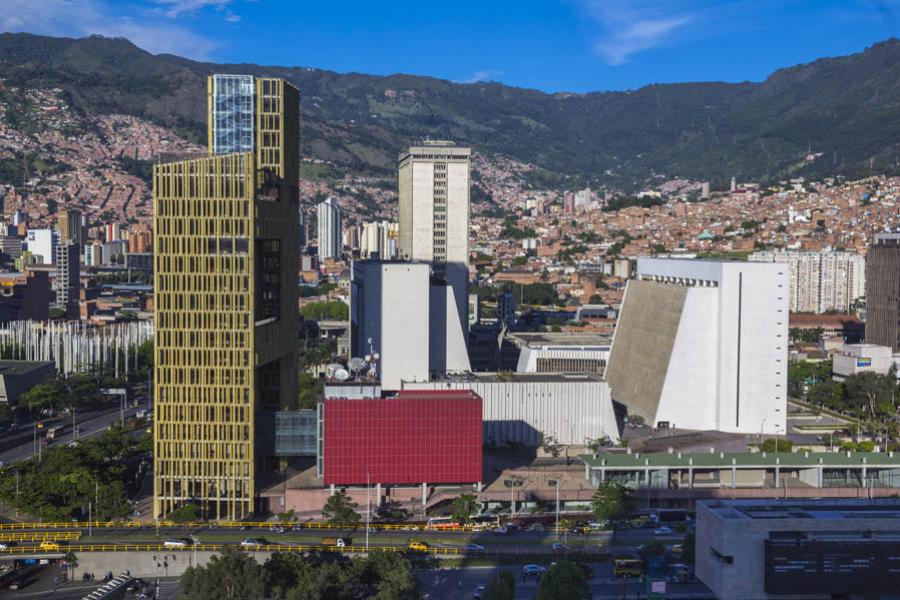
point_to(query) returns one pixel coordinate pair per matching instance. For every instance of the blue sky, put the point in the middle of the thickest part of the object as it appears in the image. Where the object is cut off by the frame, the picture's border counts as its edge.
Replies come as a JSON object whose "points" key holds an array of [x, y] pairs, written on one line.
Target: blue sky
{"points": [[553, 45]]}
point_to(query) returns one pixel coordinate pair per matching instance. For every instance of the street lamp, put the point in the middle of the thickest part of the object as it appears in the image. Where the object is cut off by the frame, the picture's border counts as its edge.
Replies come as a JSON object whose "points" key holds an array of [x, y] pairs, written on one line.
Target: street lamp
{"points": [[555, 482]]}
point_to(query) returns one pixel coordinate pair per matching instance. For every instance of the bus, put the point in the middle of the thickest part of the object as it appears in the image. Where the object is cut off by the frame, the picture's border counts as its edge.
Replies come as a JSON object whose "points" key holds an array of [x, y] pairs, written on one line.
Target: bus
{"points": [[482, 522], [628, 567], [442, 523]]}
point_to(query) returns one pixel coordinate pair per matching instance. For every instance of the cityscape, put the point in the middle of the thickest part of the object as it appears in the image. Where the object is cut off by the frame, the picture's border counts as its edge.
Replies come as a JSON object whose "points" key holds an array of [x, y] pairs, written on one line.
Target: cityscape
{"points": [[304, 333]]}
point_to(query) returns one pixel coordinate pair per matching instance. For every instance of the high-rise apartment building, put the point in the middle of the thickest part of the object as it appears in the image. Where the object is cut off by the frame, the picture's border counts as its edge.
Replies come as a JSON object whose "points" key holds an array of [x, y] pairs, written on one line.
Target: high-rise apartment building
{"points": [[820, 281], [379, 240], [67, 280], [225, 242], [330, 223], [434, 214], [883, 291]]}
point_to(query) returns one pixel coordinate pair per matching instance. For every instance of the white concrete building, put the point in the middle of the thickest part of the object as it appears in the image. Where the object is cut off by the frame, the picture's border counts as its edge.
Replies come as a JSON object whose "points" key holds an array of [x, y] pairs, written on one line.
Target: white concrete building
{"points": [[703, 345], [330, 224], [42, 243], [574, 409], [411, 321], [863, 358], [434, 212], [562, 352], [820, 281]]}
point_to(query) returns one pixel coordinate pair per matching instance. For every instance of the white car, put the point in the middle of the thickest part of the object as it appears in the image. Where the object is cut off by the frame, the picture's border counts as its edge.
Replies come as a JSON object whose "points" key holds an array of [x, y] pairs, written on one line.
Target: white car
{"points": [[479, 592], [175, 543], [474, 548], [662, 531], [252, 543], [4, 546], [533, 570]]}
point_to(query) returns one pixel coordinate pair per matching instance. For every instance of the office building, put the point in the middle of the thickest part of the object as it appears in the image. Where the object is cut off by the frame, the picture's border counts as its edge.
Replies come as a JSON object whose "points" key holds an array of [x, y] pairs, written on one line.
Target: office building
{"points": [[820, 281], [519, 408], [42, 245], [11, 246], [112, 232], [388, 301], [225, 252], [883, 291], [798, 548], [434, 214], [330, 224], [854, 359], [67, 280], [68, 226], [414, 438], [703, 345]]}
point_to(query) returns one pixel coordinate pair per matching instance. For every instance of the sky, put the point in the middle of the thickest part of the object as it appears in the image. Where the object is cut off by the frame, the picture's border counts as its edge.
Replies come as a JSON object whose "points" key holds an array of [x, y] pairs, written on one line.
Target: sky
{"points": [[551, 45]]}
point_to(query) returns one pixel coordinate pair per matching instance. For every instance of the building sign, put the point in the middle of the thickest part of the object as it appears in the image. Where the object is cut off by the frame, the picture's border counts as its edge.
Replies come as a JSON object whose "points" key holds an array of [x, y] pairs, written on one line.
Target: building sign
{"points": [[864, 362]]}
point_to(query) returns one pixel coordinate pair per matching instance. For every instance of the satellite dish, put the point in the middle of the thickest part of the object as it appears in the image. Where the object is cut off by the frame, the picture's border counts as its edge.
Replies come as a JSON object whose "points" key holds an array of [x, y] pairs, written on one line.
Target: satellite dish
{"points": [[341, 374], [356, 364], [333, 368]]}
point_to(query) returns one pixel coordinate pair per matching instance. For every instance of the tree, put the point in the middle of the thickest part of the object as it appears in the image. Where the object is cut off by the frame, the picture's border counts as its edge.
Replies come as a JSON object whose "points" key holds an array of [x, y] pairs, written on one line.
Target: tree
{"points": [[565, 579], [503, 587], [463, 507], [871, 394], [328, 309], [185, 514], [550, 445], [340, 511], [232, 575], [611, 501]]}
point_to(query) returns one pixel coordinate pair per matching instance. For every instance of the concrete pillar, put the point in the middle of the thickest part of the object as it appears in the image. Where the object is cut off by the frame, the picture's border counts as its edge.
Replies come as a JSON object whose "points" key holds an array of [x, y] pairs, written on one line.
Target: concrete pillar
{"points": [[424, 494], [332, 489], [821, 477], [733, 476], [862, 479], [377, 494], [777, 476], [690, 478]]}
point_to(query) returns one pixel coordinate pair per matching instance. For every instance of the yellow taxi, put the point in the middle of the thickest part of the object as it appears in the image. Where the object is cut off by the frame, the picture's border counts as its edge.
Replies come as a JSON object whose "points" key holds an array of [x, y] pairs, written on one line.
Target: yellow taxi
{"points": [[49, 547], [418, 546]]}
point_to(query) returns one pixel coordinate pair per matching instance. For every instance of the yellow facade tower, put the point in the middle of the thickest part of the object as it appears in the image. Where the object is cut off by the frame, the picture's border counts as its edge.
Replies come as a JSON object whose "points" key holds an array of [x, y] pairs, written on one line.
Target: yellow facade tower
{"points": [[225, 279]]}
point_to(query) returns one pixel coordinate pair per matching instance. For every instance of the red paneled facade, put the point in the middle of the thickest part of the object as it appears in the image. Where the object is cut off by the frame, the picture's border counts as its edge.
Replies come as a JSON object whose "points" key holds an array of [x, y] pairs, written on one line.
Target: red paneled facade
{"points": [[416, 437]]}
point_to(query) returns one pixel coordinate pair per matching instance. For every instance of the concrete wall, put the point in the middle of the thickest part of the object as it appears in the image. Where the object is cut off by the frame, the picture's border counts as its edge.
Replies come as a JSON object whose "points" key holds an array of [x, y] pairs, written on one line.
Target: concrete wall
{"points": [[172, 563]]}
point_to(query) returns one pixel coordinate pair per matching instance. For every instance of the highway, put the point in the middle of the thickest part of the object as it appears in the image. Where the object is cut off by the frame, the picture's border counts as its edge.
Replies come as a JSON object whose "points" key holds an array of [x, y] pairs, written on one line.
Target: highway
{"points": [[91, 424]]}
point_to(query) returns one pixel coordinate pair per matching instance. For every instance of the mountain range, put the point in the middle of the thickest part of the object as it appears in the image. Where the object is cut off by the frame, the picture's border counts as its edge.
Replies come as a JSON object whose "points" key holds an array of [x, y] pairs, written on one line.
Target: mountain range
{"points": [[831, 116]]}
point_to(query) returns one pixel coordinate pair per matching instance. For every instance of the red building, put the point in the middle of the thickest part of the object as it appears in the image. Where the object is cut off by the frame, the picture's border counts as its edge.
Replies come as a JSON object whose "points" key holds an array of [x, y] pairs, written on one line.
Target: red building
{"points": [[417, 437]]}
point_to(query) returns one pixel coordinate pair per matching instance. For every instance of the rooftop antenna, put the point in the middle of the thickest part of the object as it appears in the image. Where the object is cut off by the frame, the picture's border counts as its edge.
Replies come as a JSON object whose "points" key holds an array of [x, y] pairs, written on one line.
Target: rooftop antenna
{"points": [[356, 365], [372, 358]]}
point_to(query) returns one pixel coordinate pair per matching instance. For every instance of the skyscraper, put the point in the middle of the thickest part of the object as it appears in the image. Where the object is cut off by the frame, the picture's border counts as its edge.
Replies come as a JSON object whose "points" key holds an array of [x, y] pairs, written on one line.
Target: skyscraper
{"points": [[225, 244], [68, 225], [330, 222], [820, 281], [67, 278], [883, 291], [434, 214]]}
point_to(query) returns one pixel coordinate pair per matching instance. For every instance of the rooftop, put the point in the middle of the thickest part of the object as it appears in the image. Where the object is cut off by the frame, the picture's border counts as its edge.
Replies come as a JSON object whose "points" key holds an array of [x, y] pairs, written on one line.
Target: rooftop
{"points": [[537, 339], [22, 367], [511, 376], [638, 460], [888, 508]]}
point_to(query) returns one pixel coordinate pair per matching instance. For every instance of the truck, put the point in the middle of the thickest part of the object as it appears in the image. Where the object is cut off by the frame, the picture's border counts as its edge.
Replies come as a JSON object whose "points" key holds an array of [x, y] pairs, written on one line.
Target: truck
{"points": [[340, 542]]}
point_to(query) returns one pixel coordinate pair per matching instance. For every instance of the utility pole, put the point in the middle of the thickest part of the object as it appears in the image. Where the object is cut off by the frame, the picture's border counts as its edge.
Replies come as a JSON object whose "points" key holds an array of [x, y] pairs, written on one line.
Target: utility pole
{"points": [[368, 508], [90, 520]]}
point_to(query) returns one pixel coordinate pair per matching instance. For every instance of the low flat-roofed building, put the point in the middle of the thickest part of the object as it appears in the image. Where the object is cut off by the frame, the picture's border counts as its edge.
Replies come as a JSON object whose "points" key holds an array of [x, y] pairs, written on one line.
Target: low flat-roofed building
{"points": [[683, 477], [18, 376], [575, 409], [798, 549], [575, 352], [690, 441], [863, 358]]}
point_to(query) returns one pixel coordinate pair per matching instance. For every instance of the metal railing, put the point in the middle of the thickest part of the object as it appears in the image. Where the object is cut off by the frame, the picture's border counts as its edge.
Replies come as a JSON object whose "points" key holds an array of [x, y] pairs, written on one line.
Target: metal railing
{"points": [[229, 525], [40, 536]]}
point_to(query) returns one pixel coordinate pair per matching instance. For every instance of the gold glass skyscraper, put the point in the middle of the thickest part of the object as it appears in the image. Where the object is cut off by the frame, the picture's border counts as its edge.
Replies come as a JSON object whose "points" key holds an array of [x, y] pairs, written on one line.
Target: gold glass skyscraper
{"points": [[225, 229]]}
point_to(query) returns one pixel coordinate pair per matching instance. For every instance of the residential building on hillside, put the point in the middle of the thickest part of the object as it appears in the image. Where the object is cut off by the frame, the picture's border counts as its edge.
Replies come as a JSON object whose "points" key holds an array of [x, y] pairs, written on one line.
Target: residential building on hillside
{"points": [[821, 281], [67, 280], [703, 345], [225, 252]]}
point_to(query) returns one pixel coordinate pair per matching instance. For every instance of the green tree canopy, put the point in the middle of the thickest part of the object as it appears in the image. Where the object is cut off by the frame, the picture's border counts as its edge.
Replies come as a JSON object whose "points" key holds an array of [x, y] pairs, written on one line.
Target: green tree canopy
{"points": [[611, 501], [326, 309], [463, 507], [503, 587], [340, 511], [565, 579], [231, 575]]}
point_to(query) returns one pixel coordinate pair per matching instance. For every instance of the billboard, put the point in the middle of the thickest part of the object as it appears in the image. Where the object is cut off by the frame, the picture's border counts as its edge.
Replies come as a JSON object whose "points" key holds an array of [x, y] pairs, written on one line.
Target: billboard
{"points": [[413, 438], [864, 362]]}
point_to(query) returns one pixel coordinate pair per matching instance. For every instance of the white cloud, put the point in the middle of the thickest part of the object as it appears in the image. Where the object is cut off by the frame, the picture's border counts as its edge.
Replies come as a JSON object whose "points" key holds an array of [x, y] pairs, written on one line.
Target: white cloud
{"points": [[176, 8], [79, 18], [481, 76], [630, 26]]}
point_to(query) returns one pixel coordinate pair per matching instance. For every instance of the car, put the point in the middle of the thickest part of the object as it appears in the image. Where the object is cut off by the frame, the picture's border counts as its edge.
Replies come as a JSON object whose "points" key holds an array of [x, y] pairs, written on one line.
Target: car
{"points": [[4, 546], [557, 547], [533, 570], [662, 530], [48, 546], [599, 525], [175, 543], [502, 529], [474, 548], [678, 549], [479, 592], [253, 543], [417, 546], [536, 527]]}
